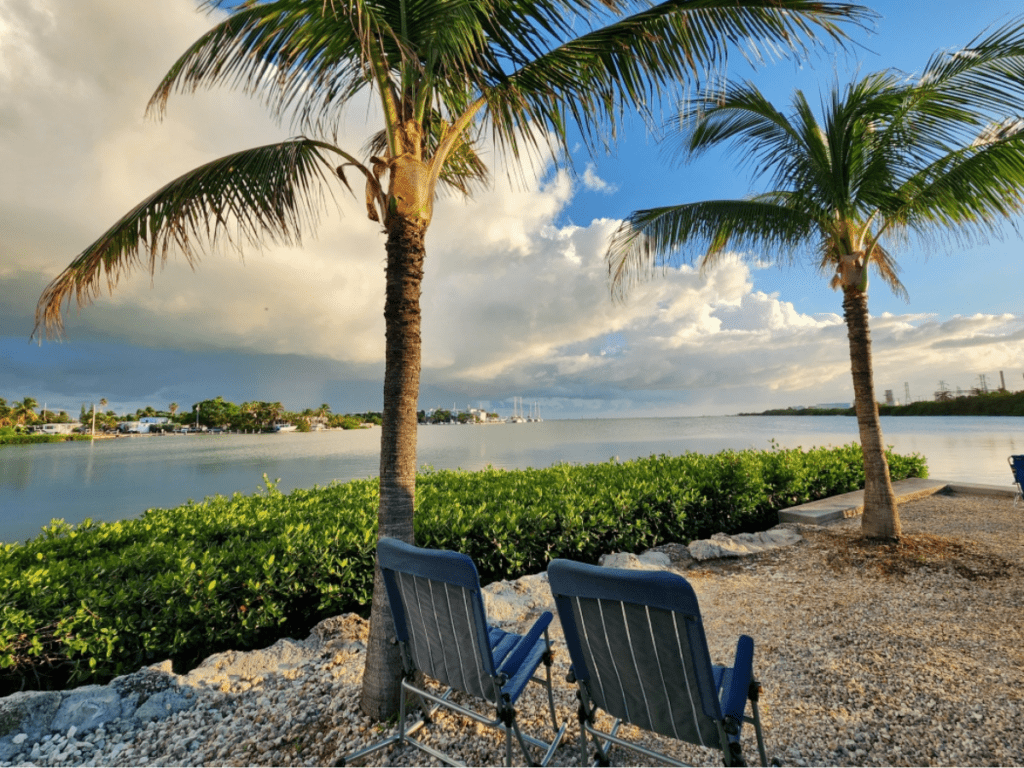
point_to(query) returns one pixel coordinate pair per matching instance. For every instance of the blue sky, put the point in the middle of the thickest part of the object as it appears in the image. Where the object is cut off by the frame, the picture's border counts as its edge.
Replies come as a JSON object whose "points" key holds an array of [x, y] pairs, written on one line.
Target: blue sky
{"points": [[515, 299]]}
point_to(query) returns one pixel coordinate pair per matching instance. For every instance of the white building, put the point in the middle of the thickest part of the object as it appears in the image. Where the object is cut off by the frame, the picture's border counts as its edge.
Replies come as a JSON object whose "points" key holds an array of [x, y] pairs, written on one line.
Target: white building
{"points": [[57, 429]]}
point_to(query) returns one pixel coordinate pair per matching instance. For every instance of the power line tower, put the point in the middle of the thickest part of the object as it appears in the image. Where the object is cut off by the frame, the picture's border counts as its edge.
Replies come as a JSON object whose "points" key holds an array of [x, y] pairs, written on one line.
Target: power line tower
{"points": [[906, 393]]}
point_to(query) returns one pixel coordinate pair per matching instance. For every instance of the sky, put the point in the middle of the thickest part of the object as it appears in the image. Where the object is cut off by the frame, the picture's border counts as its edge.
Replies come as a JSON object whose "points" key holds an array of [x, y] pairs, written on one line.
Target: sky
{"points": [[516, 301]]}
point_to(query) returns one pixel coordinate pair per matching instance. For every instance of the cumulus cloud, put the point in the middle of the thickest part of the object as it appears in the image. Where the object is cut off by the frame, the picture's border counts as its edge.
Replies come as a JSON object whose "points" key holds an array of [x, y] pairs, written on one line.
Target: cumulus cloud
{"points": [[514, 301], [594, 183]]}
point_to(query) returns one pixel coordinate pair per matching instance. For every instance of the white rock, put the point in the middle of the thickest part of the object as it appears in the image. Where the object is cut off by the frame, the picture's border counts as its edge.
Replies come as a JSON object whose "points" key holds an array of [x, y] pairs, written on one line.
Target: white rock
{"points": [[722, 545], [20, 739], [506, 601], [648, 561]]}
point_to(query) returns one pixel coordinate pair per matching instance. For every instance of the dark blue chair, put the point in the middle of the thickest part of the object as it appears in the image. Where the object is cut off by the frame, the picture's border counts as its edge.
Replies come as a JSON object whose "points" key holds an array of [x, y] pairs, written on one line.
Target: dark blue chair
{"points": [[443, 633], [1017, 467], [638, 650]]}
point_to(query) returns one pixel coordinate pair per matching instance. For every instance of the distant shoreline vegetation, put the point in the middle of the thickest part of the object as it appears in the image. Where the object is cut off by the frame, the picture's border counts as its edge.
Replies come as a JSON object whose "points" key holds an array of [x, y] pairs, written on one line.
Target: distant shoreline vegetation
{"points": [[1000, 403], [22, 439], [20, 420]]}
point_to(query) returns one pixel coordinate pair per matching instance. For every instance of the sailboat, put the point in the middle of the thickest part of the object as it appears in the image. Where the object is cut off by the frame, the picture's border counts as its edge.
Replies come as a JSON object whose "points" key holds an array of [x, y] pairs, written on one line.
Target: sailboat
{"points": [[517, 413]]}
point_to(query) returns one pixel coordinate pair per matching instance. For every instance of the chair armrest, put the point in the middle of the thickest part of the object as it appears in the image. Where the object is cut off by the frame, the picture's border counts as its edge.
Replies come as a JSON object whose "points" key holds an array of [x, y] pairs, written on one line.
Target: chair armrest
{"points": [[524, 645], [735, 701]]}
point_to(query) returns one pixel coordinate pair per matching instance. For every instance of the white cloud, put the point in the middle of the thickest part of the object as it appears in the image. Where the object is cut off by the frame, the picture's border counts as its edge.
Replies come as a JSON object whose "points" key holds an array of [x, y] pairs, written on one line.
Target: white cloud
{"points": [[594, 183], [514, 302]]}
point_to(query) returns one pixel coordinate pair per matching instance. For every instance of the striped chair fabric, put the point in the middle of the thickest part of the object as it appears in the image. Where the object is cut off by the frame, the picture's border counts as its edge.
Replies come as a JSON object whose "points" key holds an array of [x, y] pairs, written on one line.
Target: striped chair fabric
{"points": [[638, 649]]}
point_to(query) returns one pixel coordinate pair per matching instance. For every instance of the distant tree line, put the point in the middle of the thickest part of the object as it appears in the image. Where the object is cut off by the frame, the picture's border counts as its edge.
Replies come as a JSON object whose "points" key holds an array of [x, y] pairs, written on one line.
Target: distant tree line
{"points": [[444, 416], [215, 413], [998, 403]]}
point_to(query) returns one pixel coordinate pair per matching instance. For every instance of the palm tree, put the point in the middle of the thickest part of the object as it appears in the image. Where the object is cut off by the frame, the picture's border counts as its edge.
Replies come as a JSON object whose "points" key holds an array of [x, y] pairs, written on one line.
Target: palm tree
{"points": [[890, 159], [172, 409], [443, 72], [24, 411]]}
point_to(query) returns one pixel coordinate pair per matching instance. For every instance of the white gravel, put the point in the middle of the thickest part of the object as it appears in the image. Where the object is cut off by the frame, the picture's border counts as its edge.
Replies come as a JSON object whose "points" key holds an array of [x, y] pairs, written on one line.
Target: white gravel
{"points": [[868, 656]]}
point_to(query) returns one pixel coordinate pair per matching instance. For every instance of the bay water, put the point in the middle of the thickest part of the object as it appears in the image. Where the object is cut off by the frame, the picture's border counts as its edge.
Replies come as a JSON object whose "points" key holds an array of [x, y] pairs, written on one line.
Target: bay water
{"points": [[110, 480]]}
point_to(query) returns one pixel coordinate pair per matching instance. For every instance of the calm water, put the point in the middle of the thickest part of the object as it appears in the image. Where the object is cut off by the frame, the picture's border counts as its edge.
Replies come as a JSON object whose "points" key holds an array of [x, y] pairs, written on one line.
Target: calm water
{"points": [[117, 479]]}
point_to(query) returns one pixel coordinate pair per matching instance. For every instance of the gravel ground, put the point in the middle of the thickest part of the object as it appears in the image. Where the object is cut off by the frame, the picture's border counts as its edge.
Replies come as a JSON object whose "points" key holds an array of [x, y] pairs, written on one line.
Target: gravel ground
{"points": [[907, 654]]}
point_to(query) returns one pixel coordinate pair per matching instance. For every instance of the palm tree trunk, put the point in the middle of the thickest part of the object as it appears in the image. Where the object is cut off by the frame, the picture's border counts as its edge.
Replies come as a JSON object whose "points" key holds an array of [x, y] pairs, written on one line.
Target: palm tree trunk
{"points": [[881, 519], [406, 252]]}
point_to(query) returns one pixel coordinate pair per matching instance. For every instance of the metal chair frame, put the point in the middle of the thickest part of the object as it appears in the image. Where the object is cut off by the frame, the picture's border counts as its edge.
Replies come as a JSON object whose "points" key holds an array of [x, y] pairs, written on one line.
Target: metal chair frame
{"points": [[491, 664], [1017, 467]]}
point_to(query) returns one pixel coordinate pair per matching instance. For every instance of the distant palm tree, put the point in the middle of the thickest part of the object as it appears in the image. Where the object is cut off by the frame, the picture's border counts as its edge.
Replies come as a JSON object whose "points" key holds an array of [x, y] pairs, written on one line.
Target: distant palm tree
{"points": [[275, 409], [890, 158], [173, 409], [24, 411], [443, 72]]}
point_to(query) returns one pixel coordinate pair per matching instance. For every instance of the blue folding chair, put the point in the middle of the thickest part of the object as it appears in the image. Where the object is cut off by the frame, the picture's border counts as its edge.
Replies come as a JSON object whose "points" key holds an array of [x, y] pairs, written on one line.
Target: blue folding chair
{"points": [[443, 633], [638, 650], [1017, 467]]}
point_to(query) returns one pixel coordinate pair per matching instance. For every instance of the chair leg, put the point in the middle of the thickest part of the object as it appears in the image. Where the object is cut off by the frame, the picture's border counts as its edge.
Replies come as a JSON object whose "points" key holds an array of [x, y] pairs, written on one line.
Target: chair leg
{"points": [[401, 715], [551, 695], [583, 746], [757, 729], [522, 744]]}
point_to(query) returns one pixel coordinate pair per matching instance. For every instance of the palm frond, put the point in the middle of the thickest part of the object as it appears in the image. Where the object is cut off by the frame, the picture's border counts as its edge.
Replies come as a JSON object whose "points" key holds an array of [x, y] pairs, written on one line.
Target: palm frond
{"points": [[968, 193], [271, 192], [741, 115], [654, 238], [887, 269], [297, 54], [960, 92], [591, 81]]}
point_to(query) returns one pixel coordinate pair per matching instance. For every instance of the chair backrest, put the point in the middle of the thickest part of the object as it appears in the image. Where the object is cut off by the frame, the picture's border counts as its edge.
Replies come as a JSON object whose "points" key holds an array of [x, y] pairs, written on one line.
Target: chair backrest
{"points": [[439, 615], [1017, 463], [637, 640]]}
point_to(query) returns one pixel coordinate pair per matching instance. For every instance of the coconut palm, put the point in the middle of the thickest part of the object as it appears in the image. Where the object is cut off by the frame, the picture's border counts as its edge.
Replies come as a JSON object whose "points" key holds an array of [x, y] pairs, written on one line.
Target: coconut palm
{"points": [[24, 410], [890, 159], [442, 72]]}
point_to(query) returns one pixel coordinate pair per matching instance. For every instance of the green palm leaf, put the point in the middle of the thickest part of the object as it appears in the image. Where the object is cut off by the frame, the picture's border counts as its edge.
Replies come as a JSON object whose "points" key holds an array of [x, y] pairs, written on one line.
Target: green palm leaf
{"points": [[588, 81], [274, 192], [655, 238], [968, 193]]}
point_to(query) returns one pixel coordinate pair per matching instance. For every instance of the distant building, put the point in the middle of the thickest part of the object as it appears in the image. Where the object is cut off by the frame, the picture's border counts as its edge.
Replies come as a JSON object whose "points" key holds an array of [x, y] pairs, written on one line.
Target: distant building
{"points": [[834, 406], [57, 429], [154, 420]]}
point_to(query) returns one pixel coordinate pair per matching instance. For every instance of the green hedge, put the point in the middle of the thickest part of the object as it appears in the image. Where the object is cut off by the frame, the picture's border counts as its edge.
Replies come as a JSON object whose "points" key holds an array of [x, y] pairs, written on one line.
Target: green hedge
{"points": [[87, 603]]}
